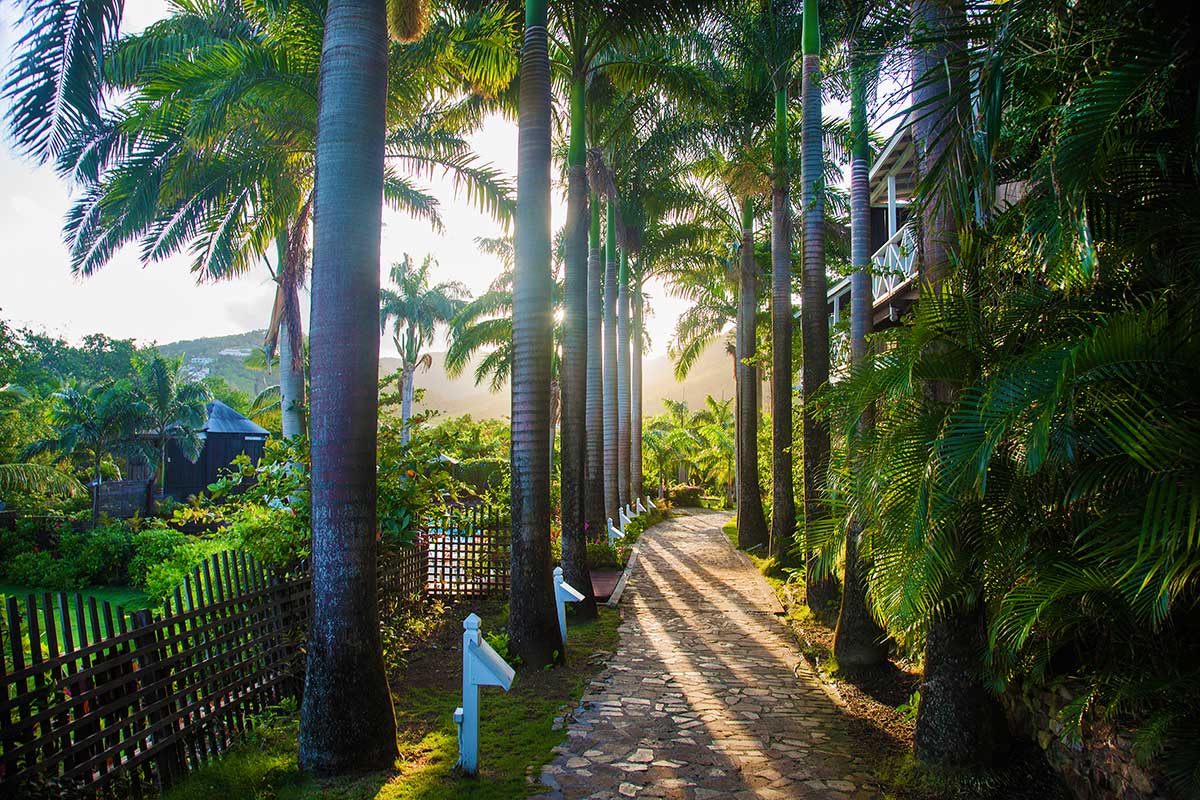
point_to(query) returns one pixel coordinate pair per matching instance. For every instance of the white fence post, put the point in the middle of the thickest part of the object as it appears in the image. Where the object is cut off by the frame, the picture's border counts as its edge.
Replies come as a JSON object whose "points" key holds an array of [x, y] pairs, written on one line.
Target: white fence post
{"points": [[482, 666], [613, 533], [563, 593]]}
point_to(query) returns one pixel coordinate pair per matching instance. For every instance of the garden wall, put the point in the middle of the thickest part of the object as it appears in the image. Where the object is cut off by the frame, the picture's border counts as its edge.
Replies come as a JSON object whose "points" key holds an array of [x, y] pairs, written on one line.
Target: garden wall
{"points": [[121, 704], [1101, 767], [123, 499]]}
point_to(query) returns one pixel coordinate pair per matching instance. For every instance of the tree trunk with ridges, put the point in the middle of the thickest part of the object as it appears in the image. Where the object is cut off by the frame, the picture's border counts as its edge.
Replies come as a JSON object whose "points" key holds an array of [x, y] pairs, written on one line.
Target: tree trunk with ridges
{"points": [[623, 400], [752, 530], [858, 640], [593, 495], [821, 590], [346, 720], [611, 496], [573, 387], [635, 397], [783, 498], [532, 620]]}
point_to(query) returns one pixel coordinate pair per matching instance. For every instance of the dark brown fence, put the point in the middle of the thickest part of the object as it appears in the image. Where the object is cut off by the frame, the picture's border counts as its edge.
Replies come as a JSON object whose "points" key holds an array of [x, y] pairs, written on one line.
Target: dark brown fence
{"points": [[96, 701]]}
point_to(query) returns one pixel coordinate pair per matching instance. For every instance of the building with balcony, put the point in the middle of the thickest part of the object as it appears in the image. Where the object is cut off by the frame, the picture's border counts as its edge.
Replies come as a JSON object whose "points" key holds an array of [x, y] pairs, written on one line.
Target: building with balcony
{"points": [[894, 248]]}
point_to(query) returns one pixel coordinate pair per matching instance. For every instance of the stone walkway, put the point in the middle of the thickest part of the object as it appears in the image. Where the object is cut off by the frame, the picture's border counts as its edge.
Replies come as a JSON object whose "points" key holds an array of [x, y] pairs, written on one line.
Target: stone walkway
{"points": [[707, 695]]}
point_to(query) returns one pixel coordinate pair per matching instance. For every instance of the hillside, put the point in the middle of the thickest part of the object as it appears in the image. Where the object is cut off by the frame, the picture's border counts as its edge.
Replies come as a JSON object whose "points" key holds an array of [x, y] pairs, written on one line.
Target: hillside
{"points": [[224, 356]]}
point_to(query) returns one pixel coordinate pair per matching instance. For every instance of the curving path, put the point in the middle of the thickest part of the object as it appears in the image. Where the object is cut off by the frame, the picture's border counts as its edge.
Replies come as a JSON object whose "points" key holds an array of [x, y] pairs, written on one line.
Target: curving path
{"points": [[707, 695]]}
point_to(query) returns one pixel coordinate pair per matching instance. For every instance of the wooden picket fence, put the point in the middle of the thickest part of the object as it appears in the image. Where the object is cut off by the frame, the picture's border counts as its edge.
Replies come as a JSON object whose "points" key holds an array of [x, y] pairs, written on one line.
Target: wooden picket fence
{"points": [[97, 702]]}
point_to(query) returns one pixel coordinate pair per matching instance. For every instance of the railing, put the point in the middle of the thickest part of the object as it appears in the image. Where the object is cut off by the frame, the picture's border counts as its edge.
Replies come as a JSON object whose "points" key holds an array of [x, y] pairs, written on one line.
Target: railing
{"points": [[893, 264], [128, 704]]}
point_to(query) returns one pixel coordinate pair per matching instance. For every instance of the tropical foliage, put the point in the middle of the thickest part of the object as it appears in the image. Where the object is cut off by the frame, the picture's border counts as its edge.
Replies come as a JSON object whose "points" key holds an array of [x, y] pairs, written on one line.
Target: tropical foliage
{"points": [[1004, 475]]}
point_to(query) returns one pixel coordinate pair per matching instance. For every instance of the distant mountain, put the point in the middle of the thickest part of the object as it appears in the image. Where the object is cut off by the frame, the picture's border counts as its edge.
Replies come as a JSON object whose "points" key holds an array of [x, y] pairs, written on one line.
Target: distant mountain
{"points": [[711, 374], [224, 356]]}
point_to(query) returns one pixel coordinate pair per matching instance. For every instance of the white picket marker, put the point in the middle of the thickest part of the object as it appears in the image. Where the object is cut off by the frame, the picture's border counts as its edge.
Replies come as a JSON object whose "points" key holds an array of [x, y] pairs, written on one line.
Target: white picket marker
{"points": [[650, 502], [563, 593], [641, 509], [613, 533], [624, 518], [482, 666]]}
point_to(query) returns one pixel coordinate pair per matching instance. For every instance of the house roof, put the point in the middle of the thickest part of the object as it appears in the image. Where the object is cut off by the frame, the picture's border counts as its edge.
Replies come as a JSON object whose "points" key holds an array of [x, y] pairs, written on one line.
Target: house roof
{"points": [[223, 419], [897, 158]]}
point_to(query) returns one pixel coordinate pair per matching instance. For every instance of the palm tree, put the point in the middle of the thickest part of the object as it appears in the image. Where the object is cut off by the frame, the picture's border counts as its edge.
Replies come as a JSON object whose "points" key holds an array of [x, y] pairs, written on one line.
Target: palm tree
{"points": [[858, 639], [484, 325], [592, 39], [26, 477], [233, 179], [173, 407], [955, 718], [414, 309], [680, 436], [532, 622], [346, 719], [751, 522], [611, 260], [623, 383], [814, 321], [93, 421], [594, 499], [715, 426], [780, 48]]}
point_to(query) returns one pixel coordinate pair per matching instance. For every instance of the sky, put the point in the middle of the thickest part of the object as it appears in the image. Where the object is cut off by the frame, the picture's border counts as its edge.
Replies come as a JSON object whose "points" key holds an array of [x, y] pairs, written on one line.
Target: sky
{"points": [[162, 301]]}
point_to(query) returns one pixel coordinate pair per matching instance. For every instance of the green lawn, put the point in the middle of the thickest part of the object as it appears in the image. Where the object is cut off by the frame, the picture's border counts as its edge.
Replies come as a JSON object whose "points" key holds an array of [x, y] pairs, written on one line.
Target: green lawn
{"points": [[130, 599], [516, 733]]}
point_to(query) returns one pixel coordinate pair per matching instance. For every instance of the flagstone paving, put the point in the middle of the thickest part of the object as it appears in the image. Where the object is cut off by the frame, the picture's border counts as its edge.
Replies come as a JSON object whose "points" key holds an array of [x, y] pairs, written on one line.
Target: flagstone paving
{"points": [[707, 695]]}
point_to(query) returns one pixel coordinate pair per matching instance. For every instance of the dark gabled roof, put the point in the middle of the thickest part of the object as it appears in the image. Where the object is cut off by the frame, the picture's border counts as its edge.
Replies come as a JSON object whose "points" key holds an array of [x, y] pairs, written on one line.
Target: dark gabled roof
{"points": [[223, 419]]}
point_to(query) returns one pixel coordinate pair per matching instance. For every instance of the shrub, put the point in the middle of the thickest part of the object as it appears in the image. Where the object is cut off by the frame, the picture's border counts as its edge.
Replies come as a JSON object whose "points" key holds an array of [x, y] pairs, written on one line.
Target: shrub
{"points": [[274, 536], [99, 557], [152, 546], [481, 474], [686, 495], [37, 568], [163, 577], [602, 555], [12, 544]]}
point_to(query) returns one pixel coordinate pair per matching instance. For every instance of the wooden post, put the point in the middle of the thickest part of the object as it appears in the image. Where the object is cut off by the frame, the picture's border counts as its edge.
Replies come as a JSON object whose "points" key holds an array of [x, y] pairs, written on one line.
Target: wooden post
{"points": [[169, 763], [891, 208]]}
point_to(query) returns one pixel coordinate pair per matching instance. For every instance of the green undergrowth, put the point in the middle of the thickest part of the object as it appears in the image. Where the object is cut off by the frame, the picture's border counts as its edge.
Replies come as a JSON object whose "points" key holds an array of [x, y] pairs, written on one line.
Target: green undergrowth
{"points": [[1023, 774], [517, 732]]}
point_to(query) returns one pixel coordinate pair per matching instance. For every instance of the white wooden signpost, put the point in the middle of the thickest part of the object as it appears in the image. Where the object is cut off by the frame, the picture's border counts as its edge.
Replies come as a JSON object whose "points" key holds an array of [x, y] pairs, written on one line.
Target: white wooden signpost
{"points": [[482, 666], [563, 593]]}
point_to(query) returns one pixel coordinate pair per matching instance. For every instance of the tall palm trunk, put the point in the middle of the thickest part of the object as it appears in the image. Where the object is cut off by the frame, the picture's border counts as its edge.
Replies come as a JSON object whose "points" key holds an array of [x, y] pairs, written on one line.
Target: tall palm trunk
{"points": [[96, 490], [783, 499], [593, 496], [611, 495], [821, 590], [858, 640], [291, 380], [956, 719], [346, 720], [532, 621], [636, 477], [407, 390], [623, 401], [573, 388], [751, 523]]}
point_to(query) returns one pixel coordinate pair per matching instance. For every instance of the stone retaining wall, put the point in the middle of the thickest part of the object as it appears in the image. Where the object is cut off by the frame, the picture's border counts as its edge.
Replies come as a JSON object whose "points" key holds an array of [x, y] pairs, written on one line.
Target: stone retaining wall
{"points": [[1100, 767]]}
